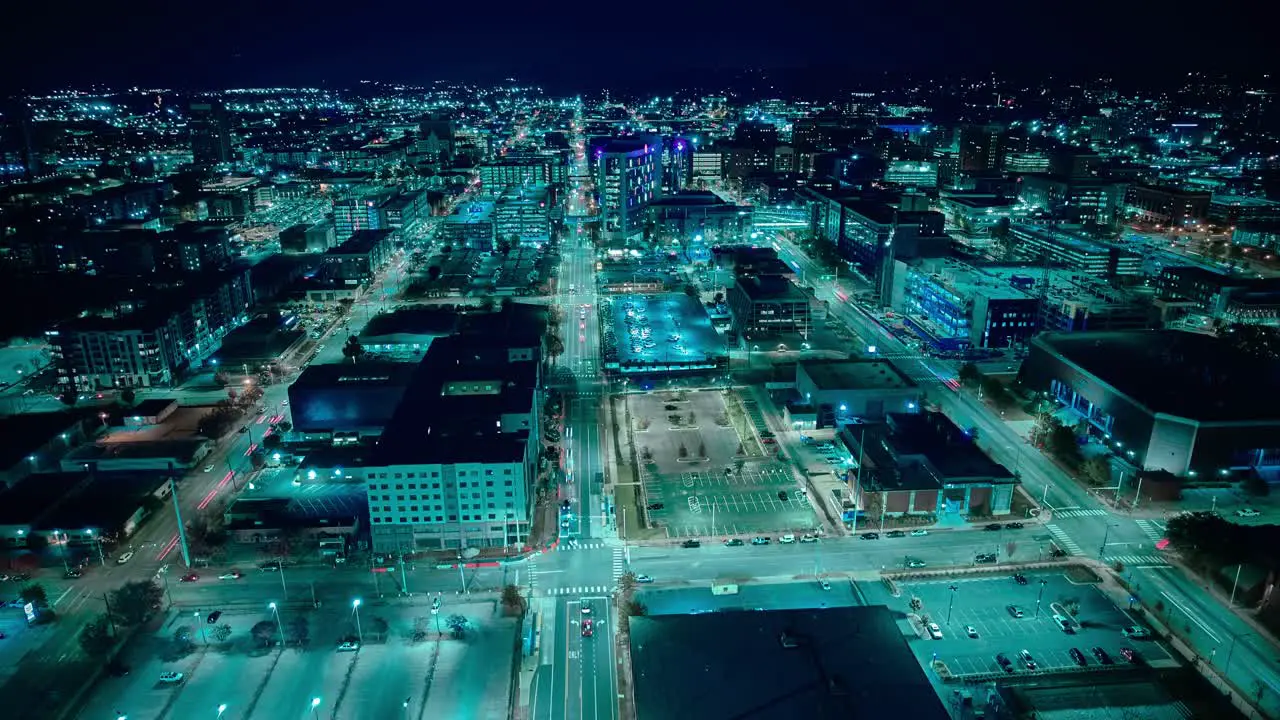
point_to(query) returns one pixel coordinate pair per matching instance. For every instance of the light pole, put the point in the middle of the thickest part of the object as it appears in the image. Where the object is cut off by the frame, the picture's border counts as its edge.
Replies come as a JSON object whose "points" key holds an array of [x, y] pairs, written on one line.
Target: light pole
{"points": [[221, 709], [279, 625], [355, 608], [1102, 549], [283, 587], [1040, 597], [203, 637], [315, 713], [951, 602]]}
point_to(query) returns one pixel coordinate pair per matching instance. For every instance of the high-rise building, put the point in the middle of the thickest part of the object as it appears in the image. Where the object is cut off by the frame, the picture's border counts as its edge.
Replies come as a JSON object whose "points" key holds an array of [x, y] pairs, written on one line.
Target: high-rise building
{"points": [[980, 148], [628, 176], [436, 139], [210, 133], [354, 214]]}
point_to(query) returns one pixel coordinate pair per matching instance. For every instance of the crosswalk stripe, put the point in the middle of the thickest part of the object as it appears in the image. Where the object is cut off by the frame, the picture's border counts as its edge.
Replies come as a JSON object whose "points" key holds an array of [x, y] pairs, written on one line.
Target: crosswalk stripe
{"points": [[1078, 513], [1063, 539]]}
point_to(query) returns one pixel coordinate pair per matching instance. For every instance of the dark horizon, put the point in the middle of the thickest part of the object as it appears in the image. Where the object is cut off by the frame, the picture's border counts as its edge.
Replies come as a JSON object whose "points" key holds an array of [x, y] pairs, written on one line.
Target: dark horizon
{"points": [[241, 44]]}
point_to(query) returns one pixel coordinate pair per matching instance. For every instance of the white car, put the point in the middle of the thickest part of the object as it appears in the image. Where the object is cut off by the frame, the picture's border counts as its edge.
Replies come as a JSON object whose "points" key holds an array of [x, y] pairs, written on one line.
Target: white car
{"points": [[233, 575], [971, 631], [787, 539], [919, 533], [124, 558], [824, 584], [1247, 512], [208, 468], [935, 632], [171, 677], [349, 647]]}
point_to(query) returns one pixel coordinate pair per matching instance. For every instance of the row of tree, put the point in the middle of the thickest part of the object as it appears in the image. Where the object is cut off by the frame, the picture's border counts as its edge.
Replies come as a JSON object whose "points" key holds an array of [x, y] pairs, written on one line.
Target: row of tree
{"points": [[129, 606]]}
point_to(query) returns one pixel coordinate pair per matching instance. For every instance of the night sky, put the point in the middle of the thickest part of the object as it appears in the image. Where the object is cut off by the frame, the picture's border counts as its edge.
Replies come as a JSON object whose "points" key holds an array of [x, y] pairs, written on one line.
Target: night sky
{"points": [[567, 45]]}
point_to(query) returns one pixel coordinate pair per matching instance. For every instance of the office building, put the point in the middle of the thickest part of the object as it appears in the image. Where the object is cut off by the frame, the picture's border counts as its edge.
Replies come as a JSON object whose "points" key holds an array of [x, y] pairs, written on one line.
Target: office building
{"points": [[455, 465], [1233, 210], [1168, 206], [768, 306], [210, 133], [347, 400], [912, 174], [694, 217], [628, 177], [352, 214], [355, 261], [471, 226], [497, 176], [1225, 298], [1064, 247], [981, 148], [838, 392], [1074, 199], [315, 238], [170, 332], [522, 216], [1164, 400], [437, 140], [956, 306], [706, 167], [873, 235]]}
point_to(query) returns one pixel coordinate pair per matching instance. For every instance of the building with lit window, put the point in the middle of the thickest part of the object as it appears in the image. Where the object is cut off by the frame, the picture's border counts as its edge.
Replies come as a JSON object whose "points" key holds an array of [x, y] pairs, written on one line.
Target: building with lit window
{"points": [[1074, 199], [912, 174], [210, 133], [1164, 205], [628, 177], [768, 306], [357, 213], [1066, 248], [958, 307], [522, 216]]}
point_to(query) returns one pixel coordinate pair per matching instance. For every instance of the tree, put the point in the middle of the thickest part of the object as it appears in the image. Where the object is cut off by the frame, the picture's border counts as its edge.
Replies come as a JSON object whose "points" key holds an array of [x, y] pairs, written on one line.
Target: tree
{"points": [[35, 595], [627, 583], [1097, 470], [133, 602], [1062, 443], [682, 451], [433, 273], [717, 298], [635, 608], [702, 449], [222, 377], [298, 630], [996, 393], [95, 638], [352, 348], [555, 346], [283, 427], [221, 632], [182, 638], [263, 631], [457, 624], [487, 304], [258, 459], [503, 244], [970, 375], [272, 441], [692, 291], [512, 600], [127, 396], [379, 626]]}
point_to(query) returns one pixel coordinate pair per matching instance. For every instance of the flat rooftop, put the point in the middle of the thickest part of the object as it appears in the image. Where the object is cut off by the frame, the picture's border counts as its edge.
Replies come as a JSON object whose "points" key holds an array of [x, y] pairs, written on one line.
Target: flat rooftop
{"points": [[1200, 377], [856, 375], [847, 663]]}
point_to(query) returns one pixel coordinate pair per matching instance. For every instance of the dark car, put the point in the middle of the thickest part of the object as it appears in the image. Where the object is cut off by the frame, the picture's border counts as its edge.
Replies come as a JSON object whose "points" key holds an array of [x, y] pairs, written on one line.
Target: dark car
{"points": [[1004, 662], [895, 534], [1101, 654], [213, 617], [655, 506], [1057, 553], [985, 558], [270, 565], [1131, 655], [1013, 526], [1020, 578], [994, 527], [1078, 657], [72, 574], [691, 544], [870, 536], [733, 542], [782, 495]]}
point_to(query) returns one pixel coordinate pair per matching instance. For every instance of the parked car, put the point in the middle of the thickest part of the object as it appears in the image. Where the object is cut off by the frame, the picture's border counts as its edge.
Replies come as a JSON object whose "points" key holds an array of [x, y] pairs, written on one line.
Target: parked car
{"points": [[1065, 624], [655, 506], [971, 631], [919, 533], [1014, 610], [1004, 662], [935, 632], [643, 579], [808, 538], [1027, 660], [1101, 655], [124, 558], [270, 566], [691, 543], [759, 541], [1131, 655], [1247, 512], [1078, 657], [985, 558], [733, 542], [870, 536], [171, 677], [994, 527], [1020, 578], [213, 617], [787, 539], [349, 647], [915, 563]]}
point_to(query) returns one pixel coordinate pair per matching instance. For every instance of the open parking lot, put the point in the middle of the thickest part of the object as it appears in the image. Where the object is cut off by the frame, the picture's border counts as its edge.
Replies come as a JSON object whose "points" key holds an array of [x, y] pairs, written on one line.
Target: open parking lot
{"points": [[982, 601], [759, 498], [660, 329], [437, 679]]}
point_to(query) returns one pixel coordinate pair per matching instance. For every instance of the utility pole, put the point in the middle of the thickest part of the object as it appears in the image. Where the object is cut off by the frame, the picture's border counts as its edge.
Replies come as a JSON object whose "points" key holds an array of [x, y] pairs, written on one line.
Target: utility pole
{"points": [[1040, 597], [404, 581], [884, 499], [182, 530], [951, 602], [1137, 495]]}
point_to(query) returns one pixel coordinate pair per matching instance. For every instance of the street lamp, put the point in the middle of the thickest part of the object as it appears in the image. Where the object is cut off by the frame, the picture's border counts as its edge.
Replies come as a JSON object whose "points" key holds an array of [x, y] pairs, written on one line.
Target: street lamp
{"points": [[951, 602], [1040, 597], [279, 627], [355, 608], [315, 703], [221, 709], [203, 637]]}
